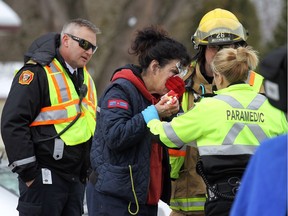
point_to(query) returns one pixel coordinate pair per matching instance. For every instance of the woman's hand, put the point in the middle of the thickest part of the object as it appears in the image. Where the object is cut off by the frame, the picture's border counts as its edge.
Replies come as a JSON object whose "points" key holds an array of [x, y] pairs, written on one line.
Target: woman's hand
{"points": [[167, 106]]}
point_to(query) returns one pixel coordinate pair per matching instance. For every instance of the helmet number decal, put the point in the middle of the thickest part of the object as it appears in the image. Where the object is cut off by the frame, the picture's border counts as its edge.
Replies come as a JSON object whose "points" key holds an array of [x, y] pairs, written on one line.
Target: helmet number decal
{"points": [[220, 38], [220, 35]]}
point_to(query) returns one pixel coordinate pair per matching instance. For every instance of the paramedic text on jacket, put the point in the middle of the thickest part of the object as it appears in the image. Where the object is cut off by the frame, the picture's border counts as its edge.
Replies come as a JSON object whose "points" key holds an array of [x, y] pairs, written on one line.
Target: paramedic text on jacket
{"points": [[242, 115]]}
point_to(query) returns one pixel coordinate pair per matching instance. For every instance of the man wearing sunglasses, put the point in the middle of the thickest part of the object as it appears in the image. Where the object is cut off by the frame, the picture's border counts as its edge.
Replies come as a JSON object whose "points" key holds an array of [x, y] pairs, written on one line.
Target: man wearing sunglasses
{"points": [[49, 119], [86, 45]]}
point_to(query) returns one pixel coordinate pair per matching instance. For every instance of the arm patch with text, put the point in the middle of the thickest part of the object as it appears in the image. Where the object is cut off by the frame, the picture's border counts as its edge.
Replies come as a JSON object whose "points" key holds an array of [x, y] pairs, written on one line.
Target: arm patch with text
{"points": [[117, 103]]}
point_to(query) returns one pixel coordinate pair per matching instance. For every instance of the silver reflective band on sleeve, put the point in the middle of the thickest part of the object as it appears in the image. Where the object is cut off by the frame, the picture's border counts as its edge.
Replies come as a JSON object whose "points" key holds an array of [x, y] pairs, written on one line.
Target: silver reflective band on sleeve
{"points": [[98, 109], [235, 149], [22, 162], [171, 135]]}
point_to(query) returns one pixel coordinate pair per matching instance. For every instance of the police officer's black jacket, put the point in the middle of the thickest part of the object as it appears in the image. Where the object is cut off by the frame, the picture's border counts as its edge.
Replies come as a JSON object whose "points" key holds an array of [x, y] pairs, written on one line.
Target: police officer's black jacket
{"points": [[23, 104]]}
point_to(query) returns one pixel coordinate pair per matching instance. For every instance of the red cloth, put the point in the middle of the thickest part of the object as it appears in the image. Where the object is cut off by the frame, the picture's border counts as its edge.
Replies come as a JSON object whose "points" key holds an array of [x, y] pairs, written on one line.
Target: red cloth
{"points": [[156, 174], [176, 84]]}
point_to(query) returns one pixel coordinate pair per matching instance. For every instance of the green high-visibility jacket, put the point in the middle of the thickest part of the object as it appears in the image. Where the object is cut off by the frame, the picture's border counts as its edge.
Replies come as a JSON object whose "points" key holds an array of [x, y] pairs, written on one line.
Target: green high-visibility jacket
{"points": [[232, 123], [65, 106], [188, 188]]}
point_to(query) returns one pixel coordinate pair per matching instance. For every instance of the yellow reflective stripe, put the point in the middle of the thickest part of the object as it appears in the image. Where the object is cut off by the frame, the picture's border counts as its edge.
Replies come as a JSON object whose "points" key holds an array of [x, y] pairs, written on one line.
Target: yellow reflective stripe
{"points": [[188, 204]]}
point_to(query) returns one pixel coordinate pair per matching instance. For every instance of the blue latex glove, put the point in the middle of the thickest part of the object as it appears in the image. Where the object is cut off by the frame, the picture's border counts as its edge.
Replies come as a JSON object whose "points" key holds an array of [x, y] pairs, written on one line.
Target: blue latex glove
{"points": [[150, 113]]}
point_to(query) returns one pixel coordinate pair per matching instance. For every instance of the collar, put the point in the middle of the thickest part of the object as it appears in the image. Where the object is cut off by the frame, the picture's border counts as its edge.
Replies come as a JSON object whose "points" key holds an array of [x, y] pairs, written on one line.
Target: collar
{"points": [[235, 87], [71, 70]]}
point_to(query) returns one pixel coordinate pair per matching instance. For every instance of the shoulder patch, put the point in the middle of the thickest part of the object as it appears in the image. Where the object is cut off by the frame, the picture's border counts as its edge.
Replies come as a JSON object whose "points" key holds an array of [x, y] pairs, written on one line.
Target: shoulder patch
{"points": [[26, 77], [117, 103]]}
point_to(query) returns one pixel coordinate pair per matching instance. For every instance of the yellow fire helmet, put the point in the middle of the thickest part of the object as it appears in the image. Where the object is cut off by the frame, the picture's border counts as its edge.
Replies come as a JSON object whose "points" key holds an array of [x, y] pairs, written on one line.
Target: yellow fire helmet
{"points": [[218, 27]]}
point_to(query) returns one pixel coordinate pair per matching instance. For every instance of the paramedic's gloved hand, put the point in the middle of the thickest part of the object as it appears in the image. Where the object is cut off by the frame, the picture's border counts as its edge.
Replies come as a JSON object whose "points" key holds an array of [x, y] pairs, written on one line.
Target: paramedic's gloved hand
{"points": [[150, 113], [161, 110], [176, 84]]}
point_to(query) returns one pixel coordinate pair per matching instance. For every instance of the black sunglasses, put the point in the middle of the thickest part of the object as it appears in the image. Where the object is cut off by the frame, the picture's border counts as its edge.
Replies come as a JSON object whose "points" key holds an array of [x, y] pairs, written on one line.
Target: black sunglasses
{"points": [[86, 45]]}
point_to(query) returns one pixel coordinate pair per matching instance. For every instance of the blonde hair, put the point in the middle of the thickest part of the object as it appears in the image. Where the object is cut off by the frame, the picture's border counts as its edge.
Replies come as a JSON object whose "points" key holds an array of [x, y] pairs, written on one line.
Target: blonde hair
{"points": [[234, 64]]}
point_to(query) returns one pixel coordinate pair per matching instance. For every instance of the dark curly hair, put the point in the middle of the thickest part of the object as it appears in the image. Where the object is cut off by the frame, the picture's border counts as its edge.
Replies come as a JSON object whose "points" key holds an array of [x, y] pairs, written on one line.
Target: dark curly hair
{"points": [[153, 43]]}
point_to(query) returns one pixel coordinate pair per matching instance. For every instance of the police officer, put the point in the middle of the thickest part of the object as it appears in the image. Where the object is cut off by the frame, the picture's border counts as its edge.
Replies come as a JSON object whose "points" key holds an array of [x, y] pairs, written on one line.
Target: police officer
{"points": [[48, 121], [225, 128], [217, 29]]}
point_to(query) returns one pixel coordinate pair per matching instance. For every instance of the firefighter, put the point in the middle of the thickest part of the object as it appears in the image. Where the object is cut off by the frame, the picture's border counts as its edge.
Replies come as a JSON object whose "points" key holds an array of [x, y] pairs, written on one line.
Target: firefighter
{"points": [[49, 119], [217, 29], [226, 128]]}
